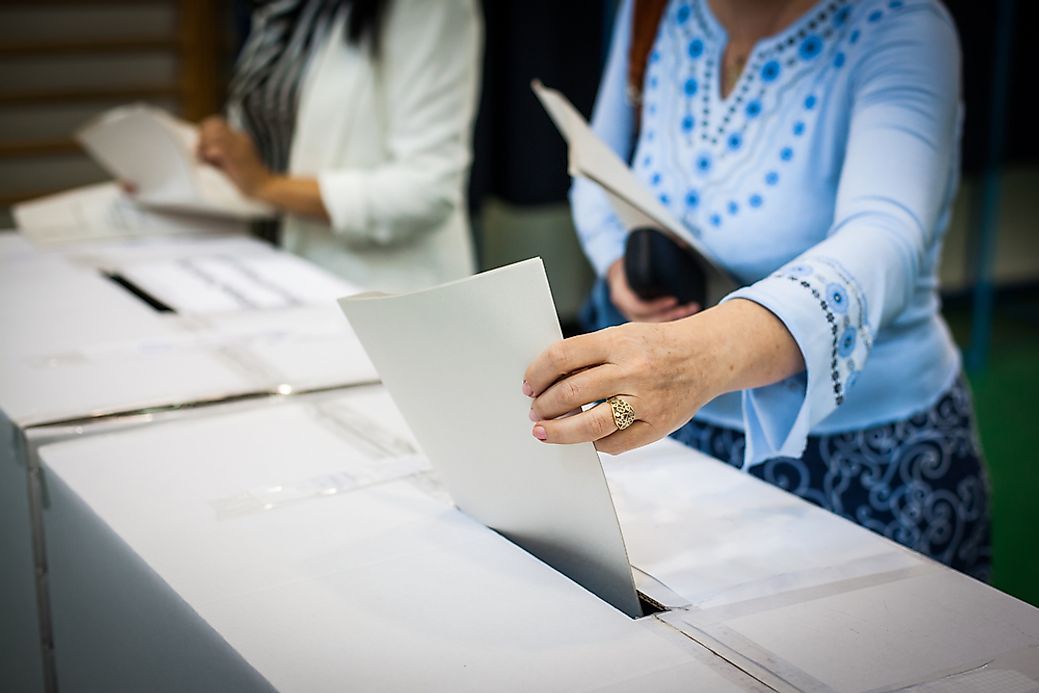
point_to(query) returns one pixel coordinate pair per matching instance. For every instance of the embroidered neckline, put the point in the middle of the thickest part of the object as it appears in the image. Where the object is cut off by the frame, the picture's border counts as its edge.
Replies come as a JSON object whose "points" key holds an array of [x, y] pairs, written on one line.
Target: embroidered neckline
{"points": [[766, 61]]}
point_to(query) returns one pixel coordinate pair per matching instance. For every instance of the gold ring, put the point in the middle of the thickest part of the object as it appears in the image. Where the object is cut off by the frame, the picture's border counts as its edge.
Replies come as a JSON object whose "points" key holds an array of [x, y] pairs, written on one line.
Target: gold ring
{"points": [[623, 413]]}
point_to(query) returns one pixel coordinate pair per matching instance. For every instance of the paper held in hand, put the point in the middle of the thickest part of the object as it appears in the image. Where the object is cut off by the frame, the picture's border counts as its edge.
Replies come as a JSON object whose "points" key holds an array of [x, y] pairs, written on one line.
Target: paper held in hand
{"points": [[453, 359], [156, 152], [635, 205]]}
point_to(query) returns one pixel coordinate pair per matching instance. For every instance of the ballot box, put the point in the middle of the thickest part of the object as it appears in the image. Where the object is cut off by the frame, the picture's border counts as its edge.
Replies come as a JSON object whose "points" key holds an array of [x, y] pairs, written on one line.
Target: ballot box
{"points": [[802, 599], [296, 558], [307, 547], [80, 349]]}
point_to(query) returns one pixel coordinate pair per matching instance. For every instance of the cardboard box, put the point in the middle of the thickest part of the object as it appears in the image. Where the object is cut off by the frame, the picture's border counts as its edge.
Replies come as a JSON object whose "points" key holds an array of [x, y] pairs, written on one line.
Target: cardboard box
{"points": [[803, 599], [268, 564], [267, 550], [78, 348]]}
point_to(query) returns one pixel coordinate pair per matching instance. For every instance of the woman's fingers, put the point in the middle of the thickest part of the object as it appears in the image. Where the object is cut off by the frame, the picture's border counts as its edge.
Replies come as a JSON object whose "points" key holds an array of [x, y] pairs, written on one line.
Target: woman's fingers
{"points": [[640, 309], [588, 426], [565, 357], [634, 436], [680, 312], [577, 389]]}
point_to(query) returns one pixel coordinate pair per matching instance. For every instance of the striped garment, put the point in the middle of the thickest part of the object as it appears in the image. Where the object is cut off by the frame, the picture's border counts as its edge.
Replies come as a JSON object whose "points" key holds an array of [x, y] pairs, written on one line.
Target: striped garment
{"points": [[268, 76]]}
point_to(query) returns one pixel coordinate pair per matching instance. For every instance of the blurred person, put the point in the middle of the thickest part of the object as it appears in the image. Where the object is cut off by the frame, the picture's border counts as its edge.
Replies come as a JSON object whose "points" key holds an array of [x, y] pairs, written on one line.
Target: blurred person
{"points": [[353, 119], [812, 147]]}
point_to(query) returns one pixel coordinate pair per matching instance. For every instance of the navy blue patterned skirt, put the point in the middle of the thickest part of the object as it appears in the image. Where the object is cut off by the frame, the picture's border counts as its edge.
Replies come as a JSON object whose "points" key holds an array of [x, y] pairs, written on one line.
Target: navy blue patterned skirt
{"points": [[920, 481]]}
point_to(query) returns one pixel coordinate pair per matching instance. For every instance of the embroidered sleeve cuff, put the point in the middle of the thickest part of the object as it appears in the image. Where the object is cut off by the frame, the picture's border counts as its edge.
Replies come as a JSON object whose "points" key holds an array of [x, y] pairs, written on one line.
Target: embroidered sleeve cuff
{"points": [[825, 312]]}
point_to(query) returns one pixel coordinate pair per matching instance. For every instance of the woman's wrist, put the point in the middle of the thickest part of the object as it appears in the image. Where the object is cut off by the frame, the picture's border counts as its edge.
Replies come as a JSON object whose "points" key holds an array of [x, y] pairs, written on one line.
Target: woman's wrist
{"points": [[737, 345], [265, 188]]}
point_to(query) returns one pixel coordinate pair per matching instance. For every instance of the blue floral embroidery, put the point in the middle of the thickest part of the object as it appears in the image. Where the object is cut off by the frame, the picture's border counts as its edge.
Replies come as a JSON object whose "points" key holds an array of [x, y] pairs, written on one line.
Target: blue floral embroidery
{"points": [[770, 71], [843, 305], [847, 342], [837, 297], [799, 271], [811, 46]]}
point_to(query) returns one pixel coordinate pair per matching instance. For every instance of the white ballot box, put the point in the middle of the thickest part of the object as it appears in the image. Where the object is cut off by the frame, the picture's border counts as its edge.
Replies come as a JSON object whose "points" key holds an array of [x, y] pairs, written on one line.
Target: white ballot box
{"points": [[805, 600], [305, 548], [80, 349]]}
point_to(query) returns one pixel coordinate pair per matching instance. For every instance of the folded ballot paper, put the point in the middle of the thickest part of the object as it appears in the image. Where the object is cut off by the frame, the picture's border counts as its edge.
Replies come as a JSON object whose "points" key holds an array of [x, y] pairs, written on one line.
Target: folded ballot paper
{"points": [[156, 152], [453, 359], [635, 205], [103, 211]]}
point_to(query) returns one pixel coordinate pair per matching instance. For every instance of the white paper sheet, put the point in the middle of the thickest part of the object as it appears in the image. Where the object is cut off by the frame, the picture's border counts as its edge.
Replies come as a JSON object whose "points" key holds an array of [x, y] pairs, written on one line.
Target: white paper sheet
{"points": [[635, 205], [103, 211], [453, 359], [156, 152]]}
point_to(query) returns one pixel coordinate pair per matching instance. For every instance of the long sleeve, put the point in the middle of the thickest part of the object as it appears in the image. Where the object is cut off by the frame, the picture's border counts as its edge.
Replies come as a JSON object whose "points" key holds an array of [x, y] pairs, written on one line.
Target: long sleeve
{"points": [[602, 234], [898, 171], [428, 67]]}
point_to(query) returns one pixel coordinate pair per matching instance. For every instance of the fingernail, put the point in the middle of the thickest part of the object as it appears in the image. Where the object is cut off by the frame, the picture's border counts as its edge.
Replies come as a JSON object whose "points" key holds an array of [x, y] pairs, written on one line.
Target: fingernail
{"points": [[533, 416], [539, 433], [527, 389]]}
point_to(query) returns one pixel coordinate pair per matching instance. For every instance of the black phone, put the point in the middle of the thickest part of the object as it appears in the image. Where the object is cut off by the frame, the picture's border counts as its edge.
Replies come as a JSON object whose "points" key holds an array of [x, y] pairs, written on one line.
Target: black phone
{"points": [[656, 265]]}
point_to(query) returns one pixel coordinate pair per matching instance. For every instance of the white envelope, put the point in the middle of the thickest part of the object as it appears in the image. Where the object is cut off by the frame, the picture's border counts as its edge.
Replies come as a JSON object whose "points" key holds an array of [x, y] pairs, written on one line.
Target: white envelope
{"points": [[453, 359]]}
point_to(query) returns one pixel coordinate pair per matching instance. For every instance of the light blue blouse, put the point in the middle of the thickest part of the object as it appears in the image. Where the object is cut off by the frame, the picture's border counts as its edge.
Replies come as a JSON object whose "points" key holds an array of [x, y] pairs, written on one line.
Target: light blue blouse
{"points": [[823, 183]]}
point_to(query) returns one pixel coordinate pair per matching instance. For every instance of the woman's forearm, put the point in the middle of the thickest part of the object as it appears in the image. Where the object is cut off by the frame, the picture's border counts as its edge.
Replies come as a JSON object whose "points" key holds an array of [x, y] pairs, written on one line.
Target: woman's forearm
{"points": [[295, 195], [738, 345]]}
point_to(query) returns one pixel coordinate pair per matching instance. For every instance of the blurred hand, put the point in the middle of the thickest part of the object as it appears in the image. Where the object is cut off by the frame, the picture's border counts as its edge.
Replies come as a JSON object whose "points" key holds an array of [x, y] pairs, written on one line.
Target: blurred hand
{"points": [[233, 152], [632, 307], [660, 369]]}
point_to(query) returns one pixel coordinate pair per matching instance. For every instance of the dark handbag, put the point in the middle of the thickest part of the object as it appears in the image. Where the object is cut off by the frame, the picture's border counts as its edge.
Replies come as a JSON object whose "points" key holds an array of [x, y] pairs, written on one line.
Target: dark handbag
{"points": [[655, 266]]}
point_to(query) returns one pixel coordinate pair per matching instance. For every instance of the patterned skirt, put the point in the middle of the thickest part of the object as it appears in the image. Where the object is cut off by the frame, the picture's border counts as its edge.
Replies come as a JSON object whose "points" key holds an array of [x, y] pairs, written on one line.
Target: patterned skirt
{"points": [[920, 481]]}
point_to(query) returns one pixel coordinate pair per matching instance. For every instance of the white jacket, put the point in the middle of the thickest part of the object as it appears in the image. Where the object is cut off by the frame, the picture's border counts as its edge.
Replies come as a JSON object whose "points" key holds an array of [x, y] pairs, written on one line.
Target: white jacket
{"points": [[389, 141]]}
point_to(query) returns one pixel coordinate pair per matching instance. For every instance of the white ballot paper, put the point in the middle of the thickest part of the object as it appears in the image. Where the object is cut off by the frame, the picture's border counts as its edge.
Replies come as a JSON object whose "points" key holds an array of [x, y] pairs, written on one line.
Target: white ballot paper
{"points": [[103, 211], [635, 205], [156, 152], [453, 359]]}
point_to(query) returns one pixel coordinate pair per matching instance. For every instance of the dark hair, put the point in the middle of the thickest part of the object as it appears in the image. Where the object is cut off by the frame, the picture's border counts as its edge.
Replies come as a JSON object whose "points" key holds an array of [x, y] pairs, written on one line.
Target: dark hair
{"points": [[364, 21]]}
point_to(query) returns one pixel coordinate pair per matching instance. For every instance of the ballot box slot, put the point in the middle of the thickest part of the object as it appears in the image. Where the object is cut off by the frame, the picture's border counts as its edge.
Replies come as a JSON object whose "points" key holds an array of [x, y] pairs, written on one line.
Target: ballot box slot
{"points": [[649, 605], [155, 304]]}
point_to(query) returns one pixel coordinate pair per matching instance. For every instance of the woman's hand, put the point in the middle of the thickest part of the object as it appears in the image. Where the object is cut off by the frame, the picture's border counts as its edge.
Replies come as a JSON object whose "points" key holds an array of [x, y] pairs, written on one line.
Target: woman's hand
{"points": [[665, 371], [233, 152], [635, 309]]}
